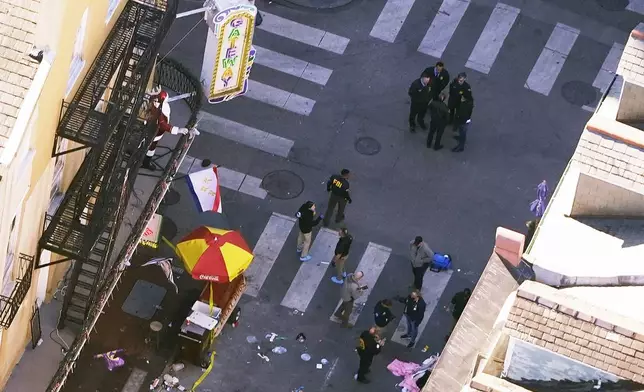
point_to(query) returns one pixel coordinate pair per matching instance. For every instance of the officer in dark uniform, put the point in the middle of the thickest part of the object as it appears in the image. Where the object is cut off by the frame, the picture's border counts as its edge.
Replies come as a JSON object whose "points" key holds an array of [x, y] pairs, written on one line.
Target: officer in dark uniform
{"points": [[420, 93], [439, 78], [462, 120], [457, 89], [338, 188], [440, 117], [369, 345]]}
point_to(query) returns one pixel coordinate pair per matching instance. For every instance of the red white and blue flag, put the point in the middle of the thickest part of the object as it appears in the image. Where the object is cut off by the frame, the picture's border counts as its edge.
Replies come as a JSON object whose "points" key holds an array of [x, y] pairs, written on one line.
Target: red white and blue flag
{"points": [[205, 186]]}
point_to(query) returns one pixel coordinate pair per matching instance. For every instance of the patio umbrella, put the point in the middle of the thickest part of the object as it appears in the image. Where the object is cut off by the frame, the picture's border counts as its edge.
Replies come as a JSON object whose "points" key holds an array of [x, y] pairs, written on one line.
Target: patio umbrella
{"points": [[215, 255], [538, 206]]}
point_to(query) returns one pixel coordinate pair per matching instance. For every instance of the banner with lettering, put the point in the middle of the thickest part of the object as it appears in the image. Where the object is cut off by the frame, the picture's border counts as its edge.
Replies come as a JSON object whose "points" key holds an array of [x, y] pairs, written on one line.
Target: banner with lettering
{"points": [[205, 186], [229, 54]]}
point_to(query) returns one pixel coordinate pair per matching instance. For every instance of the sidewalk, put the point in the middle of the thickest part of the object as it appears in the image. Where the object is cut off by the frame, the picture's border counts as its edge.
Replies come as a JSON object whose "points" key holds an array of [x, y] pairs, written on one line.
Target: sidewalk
{"points": [[117, 329]]}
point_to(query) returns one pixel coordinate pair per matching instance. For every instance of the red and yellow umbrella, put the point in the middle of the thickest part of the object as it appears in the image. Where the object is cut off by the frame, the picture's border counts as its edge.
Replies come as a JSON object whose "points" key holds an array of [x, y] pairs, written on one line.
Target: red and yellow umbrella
{"points": [[215, 255]]}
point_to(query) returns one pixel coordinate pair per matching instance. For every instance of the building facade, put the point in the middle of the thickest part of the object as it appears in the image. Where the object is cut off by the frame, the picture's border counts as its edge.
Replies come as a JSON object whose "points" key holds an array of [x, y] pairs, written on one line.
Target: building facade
{"points": [[46, 50]]}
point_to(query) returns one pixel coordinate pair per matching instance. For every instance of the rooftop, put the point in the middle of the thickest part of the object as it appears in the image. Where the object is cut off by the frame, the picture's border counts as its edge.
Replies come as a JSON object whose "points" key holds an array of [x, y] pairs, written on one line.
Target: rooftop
{"points": [[631, 65], [17, 70]]}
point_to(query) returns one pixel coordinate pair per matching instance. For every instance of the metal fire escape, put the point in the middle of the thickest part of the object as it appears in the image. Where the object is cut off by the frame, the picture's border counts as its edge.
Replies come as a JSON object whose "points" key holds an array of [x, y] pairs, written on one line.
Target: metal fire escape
{"points": [[84, 227]]}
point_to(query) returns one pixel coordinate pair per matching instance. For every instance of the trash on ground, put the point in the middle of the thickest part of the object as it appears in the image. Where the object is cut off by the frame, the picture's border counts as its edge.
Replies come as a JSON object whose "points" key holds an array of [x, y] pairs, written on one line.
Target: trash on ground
{"points": [[271, 336], [155, 383], [305, 357], [300, 389], [178, 366], [324, 361], [111, 360], [300, 337], [251, 339], [425, 349], [318, 366], [264, 357], [170, 380], [279, 350]]}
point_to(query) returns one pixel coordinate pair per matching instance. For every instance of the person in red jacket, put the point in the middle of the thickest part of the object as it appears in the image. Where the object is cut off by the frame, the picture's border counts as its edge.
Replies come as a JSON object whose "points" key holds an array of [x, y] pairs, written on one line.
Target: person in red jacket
{"points": [[160, 109]]}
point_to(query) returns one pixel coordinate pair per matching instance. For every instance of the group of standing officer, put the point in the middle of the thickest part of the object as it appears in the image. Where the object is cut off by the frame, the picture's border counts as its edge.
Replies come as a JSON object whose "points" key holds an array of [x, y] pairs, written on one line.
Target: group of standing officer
{"points": [[426, 93]]}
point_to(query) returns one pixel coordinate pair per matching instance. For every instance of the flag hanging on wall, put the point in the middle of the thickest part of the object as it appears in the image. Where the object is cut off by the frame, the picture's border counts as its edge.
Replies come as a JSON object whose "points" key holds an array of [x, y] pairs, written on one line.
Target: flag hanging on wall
{"points": [[205, 186]]}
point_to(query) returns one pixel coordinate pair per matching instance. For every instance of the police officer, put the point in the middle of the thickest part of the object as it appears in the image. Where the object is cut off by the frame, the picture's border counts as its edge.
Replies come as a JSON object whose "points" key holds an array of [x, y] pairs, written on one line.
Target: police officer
{"points": [[438, 78], [457, 89], [439, 118], [369, 345], [382, 315], [338, 188], [420, 93]]}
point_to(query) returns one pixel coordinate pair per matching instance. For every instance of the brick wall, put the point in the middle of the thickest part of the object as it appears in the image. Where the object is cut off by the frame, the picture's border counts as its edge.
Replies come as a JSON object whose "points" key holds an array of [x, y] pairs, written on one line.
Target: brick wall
{"points": [[596, 197]]}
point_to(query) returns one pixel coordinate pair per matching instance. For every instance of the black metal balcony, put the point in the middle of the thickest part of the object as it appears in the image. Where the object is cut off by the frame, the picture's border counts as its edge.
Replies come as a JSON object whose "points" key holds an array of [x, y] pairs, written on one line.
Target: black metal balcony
{"points": [[86, 224], [9, 305], [133, 33]]}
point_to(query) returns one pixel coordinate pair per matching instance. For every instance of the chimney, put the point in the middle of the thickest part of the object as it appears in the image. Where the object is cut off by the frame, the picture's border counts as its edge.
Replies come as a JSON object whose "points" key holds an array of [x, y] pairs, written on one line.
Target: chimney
{"points": [[631, 67]]}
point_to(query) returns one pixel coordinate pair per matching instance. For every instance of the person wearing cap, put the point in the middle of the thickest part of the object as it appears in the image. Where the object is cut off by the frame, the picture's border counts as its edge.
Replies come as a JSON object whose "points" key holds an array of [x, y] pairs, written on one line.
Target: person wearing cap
{"points": [[439, 78], [341, 253], [306, 221], [421, 257], [351, 290], [457, 89], [462, 121], [382, 315], [420, 93], [369, 345], [338, 188]]}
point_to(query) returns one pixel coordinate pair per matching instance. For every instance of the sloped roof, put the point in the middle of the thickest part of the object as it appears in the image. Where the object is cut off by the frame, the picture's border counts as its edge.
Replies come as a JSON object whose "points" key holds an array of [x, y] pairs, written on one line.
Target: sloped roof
{"points": [[474, 327], [631, 65], [17, 70], [574, 328]]}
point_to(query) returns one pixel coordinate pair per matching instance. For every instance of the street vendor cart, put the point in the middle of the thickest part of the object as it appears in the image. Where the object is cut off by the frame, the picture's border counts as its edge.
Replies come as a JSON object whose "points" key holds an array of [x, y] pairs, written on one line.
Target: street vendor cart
{"points": [[218, 257]]}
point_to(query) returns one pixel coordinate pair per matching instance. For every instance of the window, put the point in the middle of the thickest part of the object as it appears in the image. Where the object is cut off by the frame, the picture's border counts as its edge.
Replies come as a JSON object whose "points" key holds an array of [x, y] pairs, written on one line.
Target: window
{"points": [[111, 8], [12, 248], [57, 181], [78, 63]]}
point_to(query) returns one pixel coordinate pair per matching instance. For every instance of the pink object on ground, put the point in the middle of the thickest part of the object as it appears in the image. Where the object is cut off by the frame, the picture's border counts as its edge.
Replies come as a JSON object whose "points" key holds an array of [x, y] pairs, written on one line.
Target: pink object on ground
{"points": [[406, 370]]}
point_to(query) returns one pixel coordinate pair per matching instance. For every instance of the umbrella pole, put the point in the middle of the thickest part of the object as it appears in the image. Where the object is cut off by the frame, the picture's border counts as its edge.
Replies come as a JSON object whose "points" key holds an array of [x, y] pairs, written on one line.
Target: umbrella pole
{"points": [[211, 300], [167, 242]]}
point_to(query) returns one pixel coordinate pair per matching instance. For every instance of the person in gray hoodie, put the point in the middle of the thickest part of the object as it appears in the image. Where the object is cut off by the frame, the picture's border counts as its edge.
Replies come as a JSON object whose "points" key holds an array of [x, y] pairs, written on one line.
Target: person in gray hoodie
{"points": [[421, 257]]}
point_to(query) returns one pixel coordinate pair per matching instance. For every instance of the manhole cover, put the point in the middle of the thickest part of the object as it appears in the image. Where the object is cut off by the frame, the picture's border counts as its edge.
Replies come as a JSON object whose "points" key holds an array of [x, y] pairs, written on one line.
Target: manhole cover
{"points": [[283, 184], [613, 5], [172, 197], [579, 93], [367, 145], [168, 228]]}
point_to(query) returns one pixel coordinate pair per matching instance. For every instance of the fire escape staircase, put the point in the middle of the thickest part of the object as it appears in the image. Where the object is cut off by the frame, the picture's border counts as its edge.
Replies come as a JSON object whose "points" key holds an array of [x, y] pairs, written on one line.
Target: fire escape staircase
{"points": [[84, 227]]}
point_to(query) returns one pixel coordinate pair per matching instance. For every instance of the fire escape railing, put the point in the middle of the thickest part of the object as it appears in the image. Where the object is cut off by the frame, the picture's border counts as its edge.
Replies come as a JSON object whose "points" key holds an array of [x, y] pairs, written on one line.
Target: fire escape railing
{"points": [[85, 225], [9, 305]]}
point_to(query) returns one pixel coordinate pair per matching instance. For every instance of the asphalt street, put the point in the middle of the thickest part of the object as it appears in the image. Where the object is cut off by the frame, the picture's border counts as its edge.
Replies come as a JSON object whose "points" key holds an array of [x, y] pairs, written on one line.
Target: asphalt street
{"points": [[336, 97]]}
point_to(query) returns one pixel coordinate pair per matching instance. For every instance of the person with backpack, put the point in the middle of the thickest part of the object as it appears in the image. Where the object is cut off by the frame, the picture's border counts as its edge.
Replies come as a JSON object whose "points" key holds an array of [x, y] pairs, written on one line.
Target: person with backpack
{"points": [[382, 315], [414, 313], [341, 253], [306, 220], [369, 345]]}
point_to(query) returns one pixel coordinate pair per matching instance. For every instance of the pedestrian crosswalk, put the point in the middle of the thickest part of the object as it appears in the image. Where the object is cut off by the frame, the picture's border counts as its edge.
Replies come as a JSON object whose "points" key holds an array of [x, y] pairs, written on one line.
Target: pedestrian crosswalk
{"points": [[273, 248], [501, 24]]}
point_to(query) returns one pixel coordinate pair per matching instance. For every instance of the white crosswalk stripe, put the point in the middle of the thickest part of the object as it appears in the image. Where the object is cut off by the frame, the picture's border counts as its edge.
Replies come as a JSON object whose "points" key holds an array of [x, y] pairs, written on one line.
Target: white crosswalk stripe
{"points": [[391, 19], [489, 45], [443, 26], [243, 134], [434, 283], [636, 6], [311, 272], [372, 263], [228, 178], [607, 72], [292, 66], [279, 98], [302, 33], [552, 59], [267, 250]]}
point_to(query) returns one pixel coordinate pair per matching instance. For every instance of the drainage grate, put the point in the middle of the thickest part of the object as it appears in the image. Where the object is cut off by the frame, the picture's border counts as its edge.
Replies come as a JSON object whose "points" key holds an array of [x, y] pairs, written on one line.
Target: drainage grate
{"points": [[283, 184], [367, 145]]}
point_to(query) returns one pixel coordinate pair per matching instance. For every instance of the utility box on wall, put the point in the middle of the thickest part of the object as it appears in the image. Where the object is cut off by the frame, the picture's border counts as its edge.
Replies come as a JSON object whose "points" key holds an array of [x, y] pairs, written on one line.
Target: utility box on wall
{"points": [[229, 55]]}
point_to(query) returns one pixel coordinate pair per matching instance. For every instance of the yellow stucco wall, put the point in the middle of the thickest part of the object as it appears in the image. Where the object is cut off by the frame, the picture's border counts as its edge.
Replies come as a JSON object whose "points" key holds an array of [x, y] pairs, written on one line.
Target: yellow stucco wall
{"points": [[57, 28]]}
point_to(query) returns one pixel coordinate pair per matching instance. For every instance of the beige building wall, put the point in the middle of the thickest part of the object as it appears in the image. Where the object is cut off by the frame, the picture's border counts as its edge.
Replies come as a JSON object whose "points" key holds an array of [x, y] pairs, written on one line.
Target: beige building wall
{"points": [[26, 185]]}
